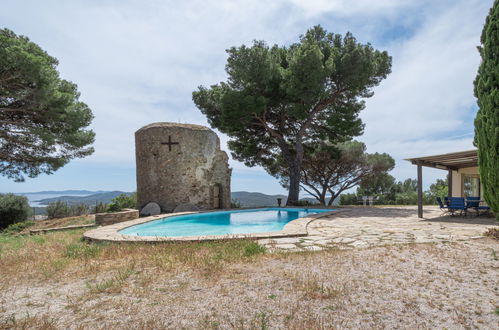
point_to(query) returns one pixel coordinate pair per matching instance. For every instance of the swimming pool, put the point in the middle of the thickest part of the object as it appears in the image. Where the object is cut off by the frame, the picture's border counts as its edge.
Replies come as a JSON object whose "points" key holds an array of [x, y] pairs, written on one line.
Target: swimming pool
{"points": [[221, 222]]}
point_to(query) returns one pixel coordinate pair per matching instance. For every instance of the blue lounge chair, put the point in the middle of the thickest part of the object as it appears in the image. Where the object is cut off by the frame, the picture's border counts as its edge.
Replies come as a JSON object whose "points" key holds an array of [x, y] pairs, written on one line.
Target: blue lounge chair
{"points": [[484, 208], [443, 208], [457, 204], [474, 203]]}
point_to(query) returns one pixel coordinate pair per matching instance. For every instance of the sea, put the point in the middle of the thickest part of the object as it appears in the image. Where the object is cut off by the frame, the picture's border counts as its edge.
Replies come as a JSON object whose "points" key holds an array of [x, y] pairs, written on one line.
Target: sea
{"points": [[33, 198]]}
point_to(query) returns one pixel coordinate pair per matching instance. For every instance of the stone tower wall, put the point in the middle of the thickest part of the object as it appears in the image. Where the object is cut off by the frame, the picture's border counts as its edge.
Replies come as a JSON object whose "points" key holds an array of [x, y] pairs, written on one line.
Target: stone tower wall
{"points": [[191, 169]]}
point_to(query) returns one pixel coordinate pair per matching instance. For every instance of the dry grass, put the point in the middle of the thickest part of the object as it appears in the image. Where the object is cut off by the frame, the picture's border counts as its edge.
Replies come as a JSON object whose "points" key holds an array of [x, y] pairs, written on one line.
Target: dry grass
{"points": [[63, 255], [55, 280], [62, 222], [492, 232]]}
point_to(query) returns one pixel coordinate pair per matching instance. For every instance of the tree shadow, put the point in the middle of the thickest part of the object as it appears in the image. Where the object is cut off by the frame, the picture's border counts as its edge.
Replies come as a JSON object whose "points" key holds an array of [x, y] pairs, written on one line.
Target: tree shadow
{"points": [[385, 212], [430, 214], [469, 219]]}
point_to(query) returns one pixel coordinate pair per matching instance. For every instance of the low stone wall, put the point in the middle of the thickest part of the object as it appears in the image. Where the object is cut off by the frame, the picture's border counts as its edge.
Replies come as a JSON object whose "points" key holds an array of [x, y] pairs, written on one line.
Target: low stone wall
{"points": [[104, 219]]}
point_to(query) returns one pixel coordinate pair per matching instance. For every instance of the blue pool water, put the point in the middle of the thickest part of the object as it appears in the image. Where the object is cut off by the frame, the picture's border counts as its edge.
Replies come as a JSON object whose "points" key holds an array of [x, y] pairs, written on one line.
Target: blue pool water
{"points": [[221, 222]]}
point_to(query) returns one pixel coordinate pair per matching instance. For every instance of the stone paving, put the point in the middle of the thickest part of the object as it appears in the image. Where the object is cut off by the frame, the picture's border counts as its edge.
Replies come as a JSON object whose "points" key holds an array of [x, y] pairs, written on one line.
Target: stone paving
{"points": [[374, 226]]}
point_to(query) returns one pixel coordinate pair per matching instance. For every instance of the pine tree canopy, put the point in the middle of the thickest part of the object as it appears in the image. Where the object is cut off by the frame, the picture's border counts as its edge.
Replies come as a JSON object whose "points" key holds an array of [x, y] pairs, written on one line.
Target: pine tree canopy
{"points": [[278, 98], [42, 122]]}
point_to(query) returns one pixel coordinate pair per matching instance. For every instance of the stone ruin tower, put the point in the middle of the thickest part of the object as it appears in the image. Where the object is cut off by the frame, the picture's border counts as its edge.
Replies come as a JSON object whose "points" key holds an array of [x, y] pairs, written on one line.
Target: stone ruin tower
{"points": [[181, 167]]}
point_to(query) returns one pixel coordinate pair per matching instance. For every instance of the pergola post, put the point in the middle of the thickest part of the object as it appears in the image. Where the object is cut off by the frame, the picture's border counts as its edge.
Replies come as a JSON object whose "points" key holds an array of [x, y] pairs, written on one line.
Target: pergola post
{"points": [[449, 183], [420, 191]]}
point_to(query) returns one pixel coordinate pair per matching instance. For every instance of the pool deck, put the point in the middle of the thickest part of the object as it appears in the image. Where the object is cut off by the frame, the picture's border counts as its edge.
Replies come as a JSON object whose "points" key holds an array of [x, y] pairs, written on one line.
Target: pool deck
{"points": [[344, 228], [365, 227], [293, 229]]}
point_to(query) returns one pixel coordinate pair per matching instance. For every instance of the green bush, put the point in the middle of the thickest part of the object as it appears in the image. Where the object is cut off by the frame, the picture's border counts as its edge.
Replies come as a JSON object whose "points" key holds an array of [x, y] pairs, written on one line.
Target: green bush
{"points": [[348, 199], [100, 208], [13, 209], [58, 209], [123, 201], [235, 204], [17, 227], [79, 209]]}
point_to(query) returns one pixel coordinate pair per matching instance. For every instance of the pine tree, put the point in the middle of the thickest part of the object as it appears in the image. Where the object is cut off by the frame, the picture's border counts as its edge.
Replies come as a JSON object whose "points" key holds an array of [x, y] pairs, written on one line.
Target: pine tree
{"points": [[276, 99], [487, 118], [42, 121]]}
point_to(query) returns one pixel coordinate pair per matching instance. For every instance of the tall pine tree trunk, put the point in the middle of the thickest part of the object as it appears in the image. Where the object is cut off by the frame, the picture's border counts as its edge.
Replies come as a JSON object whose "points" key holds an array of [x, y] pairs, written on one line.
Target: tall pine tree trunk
{"points": [[294, 159], [322, 199], [294, 185]]}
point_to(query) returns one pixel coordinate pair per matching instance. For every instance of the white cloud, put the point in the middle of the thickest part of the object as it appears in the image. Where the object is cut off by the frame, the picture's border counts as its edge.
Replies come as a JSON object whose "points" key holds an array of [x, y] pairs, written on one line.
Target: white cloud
{"points": [[350, 8], [426, 104]]}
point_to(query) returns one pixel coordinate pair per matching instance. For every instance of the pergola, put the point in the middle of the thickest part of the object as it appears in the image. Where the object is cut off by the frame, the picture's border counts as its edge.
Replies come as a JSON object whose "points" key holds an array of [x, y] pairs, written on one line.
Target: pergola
{"points": [[450, 162]]}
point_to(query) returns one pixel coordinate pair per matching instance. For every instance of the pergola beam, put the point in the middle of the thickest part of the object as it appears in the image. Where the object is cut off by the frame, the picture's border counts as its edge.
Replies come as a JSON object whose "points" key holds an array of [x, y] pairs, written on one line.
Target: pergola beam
{"points": [[439, 166], [452, 161]]}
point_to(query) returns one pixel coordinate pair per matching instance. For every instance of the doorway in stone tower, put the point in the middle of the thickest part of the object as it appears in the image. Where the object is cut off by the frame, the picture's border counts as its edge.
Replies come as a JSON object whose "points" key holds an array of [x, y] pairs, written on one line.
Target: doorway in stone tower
{"points": [[216, 193]]}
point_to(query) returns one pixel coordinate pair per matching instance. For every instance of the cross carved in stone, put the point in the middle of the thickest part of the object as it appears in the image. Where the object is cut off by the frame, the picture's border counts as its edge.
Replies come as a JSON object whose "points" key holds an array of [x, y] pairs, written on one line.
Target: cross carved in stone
{"points": [[169, 143]]}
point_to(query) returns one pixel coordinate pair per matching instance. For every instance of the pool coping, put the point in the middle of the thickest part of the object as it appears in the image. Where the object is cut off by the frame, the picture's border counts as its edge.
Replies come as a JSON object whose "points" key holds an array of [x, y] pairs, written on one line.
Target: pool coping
{"points": [[110, 233]]}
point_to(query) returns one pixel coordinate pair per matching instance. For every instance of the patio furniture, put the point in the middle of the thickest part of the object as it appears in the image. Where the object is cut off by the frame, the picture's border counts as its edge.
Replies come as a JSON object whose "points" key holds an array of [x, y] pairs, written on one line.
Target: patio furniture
{"points": [[484, 208], [474, 203], [457, 204], [443, 208]]}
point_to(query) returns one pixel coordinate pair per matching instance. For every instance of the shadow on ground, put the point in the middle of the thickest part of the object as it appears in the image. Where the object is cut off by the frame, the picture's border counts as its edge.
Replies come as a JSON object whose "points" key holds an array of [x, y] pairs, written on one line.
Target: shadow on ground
{"points": [[480, 220], [430, 215], [388, 212]]}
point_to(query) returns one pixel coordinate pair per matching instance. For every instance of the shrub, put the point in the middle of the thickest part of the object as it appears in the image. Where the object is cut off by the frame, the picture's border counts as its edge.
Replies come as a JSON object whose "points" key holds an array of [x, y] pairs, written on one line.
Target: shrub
{"points": [[17, 227], [348, 199], [406, 198], [123, 201], [100, 208], [79, 209], [58, 209], [13, 209], [235, 204]]}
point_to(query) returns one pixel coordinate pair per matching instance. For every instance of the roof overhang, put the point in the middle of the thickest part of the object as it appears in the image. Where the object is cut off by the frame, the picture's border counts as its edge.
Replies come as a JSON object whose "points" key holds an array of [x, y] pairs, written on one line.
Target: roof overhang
{"points": [[450, 161]]}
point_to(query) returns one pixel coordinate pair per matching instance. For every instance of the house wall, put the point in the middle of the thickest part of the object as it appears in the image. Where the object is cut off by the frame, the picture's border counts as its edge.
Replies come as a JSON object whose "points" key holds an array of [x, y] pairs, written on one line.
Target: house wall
{"points": [[457, 179]]}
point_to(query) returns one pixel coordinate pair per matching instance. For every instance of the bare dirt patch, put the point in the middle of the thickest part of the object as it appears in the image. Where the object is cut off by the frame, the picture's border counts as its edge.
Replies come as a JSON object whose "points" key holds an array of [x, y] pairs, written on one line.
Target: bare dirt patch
{"points": [[62, 222], [234, 285]]}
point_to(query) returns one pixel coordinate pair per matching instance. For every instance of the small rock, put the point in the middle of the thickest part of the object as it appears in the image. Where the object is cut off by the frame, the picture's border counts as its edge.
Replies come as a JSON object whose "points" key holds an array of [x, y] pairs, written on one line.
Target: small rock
{"points": [[151, 208]]}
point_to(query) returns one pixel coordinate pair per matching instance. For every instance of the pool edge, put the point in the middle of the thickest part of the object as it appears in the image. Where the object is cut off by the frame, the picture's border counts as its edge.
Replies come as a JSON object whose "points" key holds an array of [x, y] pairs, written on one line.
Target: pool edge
{"points": [[294, 228]]}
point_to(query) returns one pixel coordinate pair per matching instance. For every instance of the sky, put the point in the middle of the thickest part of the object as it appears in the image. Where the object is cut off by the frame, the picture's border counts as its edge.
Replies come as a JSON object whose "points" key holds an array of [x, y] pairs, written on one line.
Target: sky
{"points": [[136, 62]]}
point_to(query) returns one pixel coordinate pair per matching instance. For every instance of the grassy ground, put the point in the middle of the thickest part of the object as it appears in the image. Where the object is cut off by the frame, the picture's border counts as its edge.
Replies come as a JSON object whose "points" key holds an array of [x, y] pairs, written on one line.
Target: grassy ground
{"points": [[62, 222], [55, 280]]}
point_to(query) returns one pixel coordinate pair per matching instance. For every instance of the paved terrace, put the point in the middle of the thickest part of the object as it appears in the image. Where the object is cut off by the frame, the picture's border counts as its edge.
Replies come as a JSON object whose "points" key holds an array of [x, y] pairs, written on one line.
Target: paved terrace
{"points": [[373, 226]]}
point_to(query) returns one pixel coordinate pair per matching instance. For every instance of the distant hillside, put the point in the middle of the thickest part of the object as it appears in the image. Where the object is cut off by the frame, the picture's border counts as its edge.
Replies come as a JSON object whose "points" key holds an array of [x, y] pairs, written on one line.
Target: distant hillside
{"points": [[104, 197], [254, 199], [246, 199], [65, 192]]}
